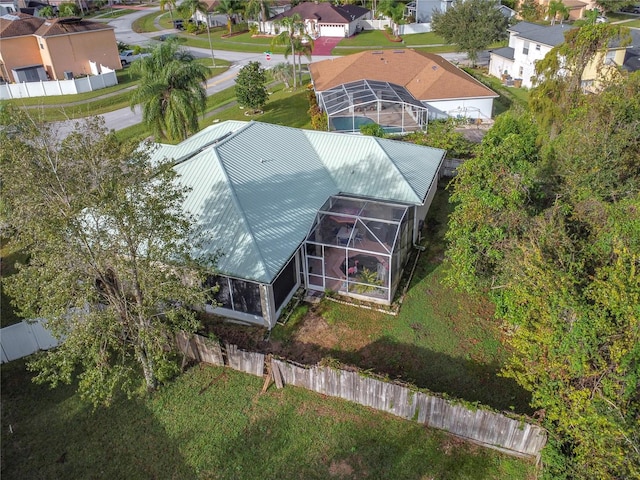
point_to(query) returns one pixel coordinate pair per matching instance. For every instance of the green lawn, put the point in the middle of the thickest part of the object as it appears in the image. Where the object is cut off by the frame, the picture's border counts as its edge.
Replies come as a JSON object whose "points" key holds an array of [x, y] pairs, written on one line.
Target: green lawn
{"points": [[377, 38], [146, 23], [285, 107], [213, 423]]}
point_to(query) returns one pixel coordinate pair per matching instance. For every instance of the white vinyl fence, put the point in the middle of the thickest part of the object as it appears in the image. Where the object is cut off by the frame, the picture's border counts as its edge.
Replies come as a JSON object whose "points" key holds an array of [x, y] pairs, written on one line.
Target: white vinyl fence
{"points": [[25, 338], [58, 87]]}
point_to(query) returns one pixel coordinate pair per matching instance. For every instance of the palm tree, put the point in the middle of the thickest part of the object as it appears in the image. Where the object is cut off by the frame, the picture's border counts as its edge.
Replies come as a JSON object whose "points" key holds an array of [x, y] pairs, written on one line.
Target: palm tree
{"points": [[229, 8], [189, 9], [288, 38], [303, 45], [170, 4], [260, 9], [556, 7], [283, 72], [171, 91], [394, 10]]}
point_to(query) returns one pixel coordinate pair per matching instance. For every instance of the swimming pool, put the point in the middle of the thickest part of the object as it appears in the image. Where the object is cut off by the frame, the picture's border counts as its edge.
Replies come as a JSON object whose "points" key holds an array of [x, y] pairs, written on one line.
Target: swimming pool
{"points": [[353, 124], [349, 124]]}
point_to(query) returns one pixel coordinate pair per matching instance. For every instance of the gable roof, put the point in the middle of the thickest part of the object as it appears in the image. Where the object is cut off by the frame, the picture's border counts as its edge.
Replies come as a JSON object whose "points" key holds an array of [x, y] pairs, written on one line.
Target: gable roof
{"points": [[65, 26], [19, 24], [256, 187], [550, 35], [425, 75], [22, 24], [325, 12]]}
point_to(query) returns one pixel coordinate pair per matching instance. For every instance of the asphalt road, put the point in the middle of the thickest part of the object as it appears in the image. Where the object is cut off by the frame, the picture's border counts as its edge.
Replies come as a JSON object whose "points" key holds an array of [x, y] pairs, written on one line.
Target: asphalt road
{"points": [[125, 117]]}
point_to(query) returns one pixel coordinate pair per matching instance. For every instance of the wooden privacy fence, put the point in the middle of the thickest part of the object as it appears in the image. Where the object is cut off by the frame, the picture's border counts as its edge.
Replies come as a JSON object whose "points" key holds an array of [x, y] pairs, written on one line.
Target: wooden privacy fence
{"points": [[482, 426]]}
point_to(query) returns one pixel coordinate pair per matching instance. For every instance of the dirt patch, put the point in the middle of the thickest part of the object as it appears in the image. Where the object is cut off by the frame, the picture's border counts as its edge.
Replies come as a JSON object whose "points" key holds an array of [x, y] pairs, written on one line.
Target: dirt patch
{"points": [[340, 469], [315, 329]]}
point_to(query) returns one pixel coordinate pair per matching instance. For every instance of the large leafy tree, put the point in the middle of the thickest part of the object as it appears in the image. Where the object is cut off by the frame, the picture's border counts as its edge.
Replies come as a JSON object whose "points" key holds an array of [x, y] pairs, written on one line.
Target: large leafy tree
{"points": [[615, 5], [294, 39], [171, 91], [550, 226], [559, 74], [472, 26], [109, 246], [250, 88]]}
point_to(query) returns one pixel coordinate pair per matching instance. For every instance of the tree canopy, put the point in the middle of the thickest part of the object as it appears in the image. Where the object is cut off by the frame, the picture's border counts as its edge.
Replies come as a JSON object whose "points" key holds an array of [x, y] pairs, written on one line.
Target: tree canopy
{"points": [[171, 91], [472, 25], [549, 225], [110, 265], [250, 88]]}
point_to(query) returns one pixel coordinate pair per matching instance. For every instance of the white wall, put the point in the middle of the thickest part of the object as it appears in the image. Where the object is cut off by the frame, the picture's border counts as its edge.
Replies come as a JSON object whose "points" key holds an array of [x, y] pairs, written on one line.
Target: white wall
{"points": [[469, 108], [59, 87]]}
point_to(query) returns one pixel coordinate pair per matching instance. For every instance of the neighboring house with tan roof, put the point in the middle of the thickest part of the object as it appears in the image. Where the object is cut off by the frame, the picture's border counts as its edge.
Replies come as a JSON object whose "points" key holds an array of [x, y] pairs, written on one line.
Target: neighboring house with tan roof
{"points": [[324, 19], [34, 49], [414, 84]]}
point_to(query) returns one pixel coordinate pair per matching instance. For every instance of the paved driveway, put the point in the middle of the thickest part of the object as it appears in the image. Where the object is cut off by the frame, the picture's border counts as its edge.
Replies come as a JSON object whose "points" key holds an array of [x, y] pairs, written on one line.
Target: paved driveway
{"points": [[322, 46]]}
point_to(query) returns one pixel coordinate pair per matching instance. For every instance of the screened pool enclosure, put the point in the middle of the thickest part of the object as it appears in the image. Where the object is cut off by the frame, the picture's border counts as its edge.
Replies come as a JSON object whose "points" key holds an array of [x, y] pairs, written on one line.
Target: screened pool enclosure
{"points": [[358, 247], [351, 105]]}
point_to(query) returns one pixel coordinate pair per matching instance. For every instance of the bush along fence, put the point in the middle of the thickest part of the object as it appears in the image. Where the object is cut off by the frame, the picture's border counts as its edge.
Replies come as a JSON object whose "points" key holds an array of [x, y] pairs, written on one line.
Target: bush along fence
{"points": [[491, 429]]}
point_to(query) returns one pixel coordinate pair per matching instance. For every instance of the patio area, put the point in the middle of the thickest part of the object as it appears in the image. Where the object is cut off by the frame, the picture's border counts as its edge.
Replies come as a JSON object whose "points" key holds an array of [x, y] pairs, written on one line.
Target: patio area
{"points": [[358, 247]]}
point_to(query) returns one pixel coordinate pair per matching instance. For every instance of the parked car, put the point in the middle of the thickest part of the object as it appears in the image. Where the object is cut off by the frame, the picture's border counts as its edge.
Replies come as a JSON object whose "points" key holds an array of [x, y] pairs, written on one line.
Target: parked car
{"points": [[631, 9], [601, 19], [128, 56]]}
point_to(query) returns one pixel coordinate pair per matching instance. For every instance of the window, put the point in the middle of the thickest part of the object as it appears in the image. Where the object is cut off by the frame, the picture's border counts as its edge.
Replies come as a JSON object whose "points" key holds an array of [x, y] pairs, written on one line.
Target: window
{"points": [[525, 48], [537, 47], [520, 72]]}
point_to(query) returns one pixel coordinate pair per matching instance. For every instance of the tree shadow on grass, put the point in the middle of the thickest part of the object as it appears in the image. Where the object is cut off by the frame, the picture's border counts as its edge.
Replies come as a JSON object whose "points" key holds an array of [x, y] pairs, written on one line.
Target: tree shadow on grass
{"points": [[50, 433], [329, 438]]}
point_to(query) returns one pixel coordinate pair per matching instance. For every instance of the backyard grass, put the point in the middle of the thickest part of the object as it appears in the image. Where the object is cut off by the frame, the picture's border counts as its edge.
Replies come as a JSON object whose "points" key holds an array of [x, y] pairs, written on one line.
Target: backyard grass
{"points": [[213, 423], [441, 340]]}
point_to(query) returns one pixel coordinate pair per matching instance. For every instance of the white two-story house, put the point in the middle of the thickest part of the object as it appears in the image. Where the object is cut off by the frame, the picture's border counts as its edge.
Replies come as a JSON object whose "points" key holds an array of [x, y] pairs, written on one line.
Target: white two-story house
{"points": [[528, 43]]}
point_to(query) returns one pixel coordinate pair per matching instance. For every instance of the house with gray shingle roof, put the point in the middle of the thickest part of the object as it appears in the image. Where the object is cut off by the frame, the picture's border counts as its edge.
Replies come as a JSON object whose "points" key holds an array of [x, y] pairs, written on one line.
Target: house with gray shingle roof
{"points": [[528, 43], [285, 208]]}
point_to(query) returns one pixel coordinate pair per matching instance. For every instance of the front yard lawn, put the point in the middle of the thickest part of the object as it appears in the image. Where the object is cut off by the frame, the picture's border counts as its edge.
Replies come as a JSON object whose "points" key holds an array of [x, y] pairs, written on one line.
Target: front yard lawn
{"points": [[213, 423]]}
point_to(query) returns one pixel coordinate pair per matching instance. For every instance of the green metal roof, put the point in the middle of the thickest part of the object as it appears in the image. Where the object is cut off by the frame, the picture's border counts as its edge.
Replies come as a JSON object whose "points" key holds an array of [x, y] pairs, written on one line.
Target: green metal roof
{"points": [[256, 187]]}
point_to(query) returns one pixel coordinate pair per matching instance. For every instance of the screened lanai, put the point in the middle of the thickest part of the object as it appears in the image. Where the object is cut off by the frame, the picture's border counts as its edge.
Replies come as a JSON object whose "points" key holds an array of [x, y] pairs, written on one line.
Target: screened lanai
{"points": [[351, 105], [358, 247]]}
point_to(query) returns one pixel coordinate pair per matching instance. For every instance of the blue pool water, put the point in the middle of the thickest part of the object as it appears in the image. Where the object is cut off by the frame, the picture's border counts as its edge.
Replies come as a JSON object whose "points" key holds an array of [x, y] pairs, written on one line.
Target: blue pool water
{"points": [[349, 124]]}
